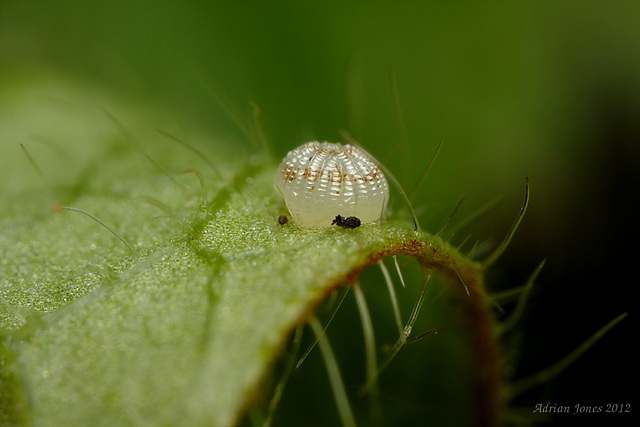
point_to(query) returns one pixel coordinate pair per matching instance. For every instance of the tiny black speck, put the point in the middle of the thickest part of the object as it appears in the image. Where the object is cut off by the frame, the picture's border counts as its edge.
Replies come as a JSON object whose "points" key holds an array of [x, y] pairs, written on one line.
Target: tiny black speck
{"points": [[282, 219], [348, 222]]}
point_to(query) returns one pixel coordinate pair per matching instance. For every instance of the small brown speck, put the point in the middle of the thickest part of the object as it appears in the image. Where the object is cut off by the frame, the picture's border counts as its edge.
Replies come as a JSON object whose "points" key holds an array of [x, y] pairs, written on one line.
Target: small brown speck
{"points": [[282, 219]]}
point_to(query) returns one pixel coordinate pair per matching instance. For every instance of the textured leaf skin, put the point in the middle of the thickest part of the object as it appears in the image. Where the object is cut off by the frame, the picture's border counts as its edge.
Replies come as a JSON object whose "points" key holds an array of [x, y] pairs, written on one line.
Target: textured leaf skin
{"points": [[184, 331]]}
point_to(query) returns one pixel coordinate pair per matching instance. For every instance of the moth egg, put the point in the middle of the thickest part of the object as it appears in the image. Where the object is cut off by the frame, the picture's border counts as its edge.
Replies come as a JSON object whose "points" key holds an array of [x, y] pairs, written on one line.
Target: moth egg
{"points": [[320, 180]]}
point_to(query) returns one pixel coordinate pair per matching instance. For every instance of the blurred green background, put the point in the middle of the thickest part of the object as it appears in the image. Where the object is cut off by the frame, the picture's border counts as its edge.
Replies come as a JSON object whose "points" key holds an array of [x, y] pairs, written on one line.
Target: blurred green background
{"points": [[545, 90]]}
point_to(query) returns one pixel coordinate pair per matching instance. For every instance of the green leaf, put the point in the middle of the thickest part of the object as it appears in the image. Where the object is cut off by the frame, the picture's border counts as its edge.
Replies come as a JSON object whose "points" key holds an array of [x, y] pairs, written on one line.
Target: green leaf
{"points": [[181, 324]]}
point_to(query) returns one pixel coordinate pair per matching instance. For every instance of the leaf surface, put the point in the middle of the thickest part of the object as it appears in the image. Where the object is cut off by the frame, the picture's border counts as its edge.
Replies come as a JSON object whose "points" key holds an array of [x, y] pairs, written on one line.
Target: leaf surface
{"points": [[183, 329]]}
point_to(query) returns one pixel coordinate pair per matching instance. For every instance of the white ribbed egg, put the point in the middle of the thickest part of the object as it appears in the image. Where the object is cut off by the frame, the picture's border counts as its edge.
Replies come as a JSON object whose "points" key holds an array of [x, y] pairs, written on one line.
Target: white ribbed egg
{"points": [[320, 180]]}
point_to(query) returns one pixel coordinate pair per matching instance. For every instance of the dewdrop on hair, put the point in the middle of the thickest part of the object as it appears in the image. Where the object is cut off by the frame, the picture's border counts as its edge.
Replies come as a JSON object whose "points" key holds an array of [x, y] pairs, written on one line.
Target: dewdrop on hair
{"points": [[320, 180]]}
